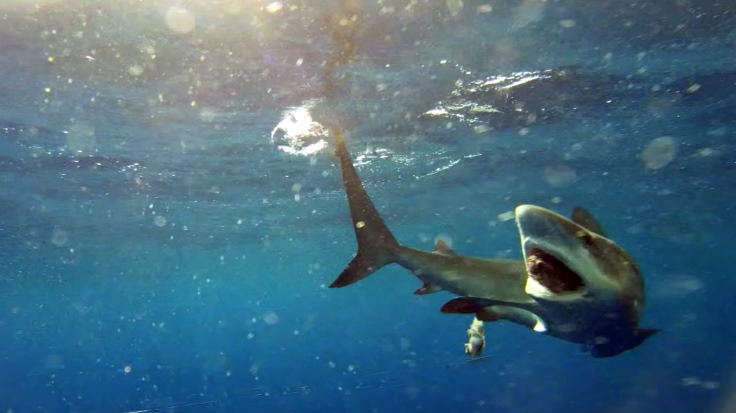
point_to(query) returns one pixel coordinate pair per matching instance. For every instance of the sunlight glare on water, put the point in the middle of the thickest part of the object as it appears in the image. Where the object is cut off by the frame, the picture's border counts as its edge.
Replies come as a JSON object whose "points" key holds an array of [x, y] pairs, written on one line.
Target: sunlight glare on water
{"points": [[298, 134]]}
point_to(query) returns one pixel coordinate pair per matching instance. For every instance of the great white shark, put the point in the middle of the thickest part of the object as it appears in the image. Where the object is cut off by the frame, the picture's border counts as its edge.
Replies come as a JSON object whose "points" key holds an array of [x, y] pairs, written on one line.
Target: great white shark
{"points": [[573, 283]]}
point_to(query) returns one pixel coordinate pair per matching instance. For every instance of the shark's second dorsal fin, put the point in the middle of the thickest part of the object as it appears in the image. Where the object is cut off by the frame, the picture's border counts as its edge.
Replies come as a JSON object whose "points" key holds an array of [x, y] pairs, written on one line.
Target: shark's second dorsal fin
{"points": [[441, 247], [584, 218]]}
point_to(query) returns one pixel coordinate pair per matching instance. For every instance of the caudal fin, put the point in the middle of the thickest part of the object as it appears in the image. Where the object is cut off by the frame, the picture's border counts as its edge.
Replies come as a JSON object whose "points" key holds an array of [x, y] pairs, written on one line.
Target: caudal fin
{"points": [[376, 245]]}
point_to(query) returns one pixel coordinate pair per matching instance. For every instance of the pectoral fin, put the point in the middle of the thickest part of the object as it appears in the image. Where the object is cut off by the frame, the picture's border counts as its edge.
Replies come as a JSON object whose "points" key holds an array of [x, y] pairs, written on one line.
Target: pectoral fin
{"points": [[467, 305], [462, 305], [492, 310]]}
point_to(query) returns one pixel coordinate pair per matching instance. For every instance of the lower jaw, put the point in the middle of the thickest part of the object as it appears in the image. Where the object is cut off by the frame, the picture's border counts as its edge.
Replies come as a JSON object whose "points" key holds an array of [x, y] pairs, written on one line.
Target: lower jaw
{"points": [[535, 289]]}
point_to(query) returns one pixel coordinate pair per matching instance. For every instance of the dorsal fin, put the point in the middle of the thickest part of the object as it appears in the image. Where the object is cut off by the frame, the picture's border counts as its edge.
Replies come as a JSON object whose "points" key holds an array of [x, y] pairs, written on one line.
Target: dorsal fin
{"points": [[582, 217], [441, 247]]}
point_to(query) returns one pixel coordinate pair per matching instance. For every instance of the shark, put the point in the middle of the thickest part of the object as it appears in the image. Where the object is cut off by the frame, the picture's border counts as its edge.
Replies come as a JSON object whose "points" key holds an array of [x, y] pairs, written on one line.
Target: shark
{"points": [[573, 283]]}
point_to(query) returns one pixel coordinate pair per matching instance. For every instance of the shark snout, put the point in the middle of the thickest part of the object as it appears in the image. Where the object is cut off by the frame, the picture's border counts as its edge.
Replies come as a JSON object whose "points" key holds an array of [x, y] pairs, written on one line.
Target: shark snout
{"points": [[540, 224]]}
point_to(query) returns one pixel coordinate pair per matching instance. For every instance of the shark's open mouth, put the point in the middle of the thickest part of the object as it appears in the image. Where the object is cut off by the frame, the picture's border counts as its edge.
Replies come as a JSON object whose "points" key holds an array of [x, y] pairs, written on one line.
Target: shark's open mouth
{"points": [[552, 273]]}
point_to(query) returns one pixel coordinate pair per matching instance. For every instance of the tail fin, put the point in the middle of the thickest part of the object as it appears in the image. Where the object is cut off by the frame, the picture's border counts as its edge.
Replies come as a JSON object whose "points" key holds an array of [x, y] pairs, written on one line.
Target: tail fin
{"points": [[376, 245]]}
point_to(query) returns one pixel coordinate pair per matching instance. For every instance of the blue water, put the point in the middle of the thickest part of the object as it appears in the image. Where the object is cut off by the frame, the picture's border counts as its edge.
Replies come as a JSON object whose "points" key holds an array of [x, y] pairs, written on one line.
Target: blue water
{"points": [[164, 246]]}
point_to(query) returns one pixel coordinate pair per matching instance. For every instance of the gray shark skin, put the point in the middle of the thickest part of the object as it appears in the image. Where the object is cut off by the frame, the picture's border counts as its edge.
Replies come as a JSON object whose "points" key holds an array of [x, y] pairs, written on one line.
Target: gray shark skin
{"points": [[574, 283], [586, 289]]}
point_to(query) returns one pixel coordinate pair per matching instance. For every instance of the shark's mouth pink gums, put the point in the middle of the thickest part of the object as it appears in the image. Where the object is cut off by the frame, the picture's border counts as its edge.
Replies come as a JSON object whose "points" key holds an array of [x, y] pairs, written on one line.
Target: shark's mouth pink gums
{"points": [[552, 273]]}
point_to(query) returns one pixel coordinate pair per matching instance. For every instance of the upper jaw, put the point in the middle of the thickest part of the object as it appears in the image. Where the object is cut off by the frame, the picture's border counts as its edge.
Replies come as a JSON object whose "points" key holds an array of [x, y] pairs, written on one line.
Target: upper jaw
{"points": [[549, 250]]}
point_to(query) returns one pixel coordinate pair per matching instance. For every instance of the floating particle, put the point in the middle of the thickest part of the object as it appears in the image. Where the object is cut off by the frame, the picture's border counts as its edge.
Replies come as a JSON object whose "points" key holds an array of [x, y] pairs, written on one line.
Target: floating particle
{"points": [[678, 286], [180, 20], [710, 385], [559, 175], [506, 216], [404, 343], [54, 362], [529, 11], [690, 381], [208, 115], [159, 220], [693, 88], [270, 318], [659, 152], [127, 369], [484, 8], [567, 24], [59, 237], [274, 7], [721, 131], [135, 70], [705, 152], [454, 6], [412, 392], [481, 129]]}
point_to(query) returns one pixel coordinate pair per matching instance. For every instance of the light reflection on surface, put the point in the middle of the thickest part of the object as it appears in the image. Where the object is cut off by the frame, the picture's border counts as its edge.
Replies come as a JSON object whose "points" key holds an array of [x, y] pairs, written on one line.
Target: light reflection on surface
{"points": [[298, 133]]}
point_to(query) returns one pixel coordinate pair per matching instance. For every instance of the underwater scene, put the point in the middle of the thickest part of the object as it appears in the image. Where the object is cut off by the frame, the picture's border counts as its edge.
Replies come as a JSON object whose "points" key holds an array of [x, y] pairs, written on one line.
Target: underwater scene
{"points": [[518, 206]]}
